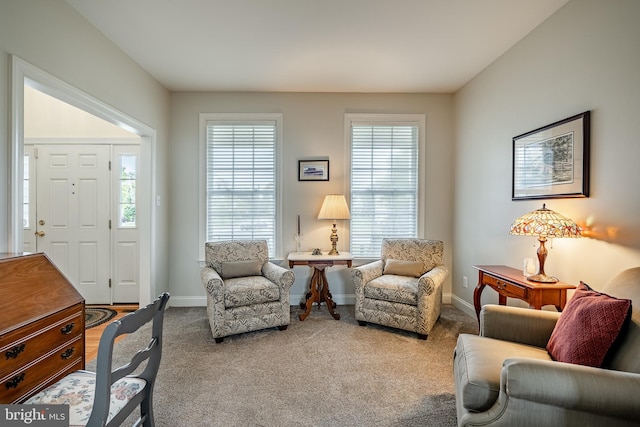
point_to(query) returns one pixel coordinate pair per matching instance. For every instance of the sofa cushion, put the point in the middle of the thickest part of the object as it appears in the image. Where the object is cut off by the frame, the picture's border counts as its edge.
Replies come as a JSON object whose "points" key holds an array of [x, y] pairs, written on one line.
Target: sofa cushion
{"points": [[478, 364], [252, 267], [393, 288], [241, 291], [587, 328], [403, 268]]}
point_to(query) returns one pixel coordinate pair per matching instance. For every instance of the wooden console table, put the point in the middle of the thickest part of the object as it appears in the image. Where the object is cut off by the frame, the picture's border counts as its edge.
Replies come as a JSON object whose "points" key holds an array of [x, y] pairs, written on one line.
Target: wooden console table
{"points": [[319, 287], [510, 282]]}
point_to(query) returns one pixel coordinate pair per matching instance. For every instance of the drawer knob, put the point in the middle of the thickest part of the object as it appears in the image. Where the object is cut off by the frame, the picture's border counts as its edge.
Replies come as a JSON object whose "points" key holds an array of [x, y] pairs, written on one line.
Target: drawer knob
{"points": [[13, 382], [14, 352], [66, 330], [67, 353]]}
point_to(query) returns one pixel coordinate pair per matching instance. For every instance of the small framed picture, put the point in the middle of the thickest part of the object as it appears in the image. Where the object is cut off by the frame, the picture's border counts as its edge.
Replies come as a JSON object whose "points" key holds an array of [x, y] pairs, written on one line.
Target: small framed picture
{"points": [[313, 170], [552, 161]]}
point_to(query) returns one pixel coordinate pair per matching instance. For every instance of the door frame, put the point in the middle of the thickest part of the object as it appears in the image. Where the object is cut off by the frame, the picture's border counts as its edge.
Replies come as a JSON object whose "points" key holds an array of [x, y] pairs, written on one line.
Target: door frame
{"points": [[25, 73]]}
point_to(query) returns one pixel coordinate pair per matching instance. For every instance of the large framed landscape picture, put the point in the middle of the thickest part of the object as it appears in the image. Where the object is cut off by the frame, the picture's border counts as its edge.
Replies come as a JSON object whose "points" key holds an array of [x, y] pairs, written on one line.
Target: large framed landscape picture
{"points": [[552, 161]]}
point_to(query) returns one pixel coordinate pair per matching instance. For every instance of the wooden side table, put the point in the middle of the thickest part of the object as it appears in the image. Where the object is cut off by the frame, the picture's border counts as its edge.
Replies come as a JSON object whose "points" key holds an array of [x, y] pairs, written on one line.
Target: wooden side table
{"points": [[510, 282], [319, 287]]}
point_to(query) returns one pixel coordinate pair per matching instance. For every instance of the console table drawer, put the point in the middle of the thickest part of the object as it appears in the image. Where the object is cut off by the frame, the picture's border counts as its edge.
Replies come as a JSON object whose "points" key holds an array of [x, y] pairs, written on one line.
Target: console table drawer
{"points": [[21, 347], [21, 383], [505, 288]]}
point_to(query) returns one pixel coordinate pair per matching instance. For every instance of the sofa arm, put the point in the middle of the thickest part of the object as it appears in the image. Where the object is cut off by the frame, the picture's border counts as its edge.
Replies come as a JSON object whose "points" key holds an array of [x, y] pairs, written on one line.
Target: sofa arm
{"points": [[281, 276], [430, 281], [517, 324], [366, 272], [211, 280], [574, 387]]}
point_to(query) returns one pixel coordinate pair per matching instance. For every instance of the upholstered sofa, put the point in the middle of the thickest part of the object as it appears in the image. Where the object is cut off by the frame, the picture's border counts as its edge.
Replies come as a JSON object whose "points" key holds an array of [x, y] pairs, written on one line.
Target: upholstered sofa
{"points": [[403, 289], [245, 291], [506, 375]]}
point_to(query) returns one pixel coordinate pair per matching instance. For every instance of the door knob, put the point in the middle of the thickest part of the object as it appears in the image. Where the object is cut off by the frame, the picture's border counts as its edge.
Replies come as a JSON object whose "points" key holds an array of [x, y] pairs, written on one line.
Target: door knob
{"points": [[39, 233]]}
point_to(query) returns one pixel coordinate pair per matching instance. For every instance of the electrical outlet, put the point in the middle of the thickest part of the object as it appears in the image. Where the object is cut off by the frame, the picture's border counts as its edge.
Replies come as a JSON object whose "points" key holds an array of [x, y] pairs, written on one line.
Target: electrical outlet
{"points": [[465, 282]]}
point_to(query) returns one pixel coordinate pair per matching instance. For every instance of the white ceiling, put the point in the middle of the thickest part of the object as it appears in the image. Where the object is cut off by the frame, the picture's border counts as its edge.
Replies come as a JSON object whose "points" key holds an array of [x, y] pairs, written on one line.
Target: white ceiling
{"points": [[315, 45]]}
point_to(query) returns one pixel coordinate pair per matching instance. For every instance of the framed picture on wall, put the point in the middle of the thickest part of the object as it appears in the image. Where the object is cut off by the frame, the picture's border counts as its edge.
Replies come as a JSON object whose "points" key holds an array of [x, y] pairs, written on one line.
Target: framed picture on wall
{"points": [[313, 170], [552, 161]]}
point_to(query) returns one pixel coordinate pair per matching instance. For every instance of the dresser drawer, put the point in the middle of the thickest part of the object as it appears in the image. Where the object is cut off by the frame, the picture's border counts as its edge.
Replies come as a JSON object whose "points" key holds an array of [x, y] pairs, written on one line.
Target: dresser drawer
{"points": [[24, 382], [24, 345], [505, 288]]}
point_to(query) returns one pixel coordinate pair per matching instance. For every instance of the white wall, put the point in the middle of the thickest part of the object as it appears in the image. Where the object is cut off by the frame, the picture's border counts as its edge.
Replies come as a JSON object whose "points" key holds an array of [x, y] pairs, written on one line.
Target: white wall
{"points": [[584, 57], [53, 37], [313, 127]]}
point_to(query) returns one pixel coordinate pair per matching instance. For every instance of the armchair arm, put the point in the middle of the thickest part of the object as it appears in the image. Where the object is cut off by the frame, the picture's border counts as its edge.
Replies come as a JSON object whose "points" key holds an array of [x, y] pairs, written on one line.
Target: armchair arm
{"points": [[279, 275], [430, 281], [517, 324], [366, 272], [575, 387], [211, 280]]}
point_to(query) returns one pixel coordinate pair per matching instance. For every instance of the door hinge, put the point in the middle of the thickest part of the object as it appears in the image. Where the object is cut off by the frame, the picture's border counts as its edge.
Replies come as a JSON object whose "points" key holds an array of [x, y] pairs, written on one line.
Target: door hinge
{"points": [[109, 164], [109, 282], [35, 153], [109, 224]]}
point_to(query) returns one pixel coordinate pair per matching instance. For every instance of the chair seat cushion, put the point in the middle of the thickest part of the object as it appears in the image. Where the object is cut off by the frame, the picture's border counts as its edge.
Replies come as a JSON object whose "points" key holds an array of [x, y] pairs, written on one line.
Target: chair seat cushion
{"points": [[478, 363], [392, 288], [78, 389], [250, 290]]}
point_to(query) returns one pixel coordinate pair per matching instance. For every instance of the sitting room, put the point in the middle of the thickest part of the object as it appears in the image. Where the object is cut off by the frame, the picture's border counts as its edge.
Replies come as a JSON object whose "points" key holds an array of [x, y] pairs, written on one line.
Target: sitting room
{"points": [[346, 145]]}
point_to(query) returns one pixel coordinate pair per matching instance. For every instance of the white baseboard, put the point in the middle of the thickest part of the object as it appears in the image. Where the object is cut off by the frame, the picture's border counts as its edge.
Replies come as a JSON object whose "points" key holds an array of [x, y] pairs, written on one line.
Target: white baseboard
{"points": [[340, 299], [464, 306]]}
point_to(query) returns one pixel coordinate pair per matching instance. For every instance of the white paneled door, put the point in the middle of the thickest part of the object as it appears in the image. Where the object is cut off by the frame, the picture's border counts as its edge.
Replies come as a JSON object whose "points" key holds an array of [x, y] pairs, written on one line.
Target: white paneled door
{"points": [[72, 215]]}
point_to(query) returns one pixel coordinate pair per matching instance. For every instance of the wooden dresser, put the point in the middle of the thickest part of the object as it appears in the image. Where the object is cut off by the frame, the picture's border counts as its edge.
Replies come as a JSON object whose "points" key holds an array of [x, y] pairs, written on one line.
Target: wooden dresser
{"points": [[41, 326]]}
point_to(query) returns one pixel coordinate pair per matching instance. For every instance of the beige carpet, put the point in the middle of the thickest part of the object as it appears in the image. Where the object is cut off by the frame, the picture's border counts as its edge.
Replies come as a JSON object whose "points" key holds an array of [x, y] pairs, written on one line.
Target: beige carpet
{"points": [[320, 372]]}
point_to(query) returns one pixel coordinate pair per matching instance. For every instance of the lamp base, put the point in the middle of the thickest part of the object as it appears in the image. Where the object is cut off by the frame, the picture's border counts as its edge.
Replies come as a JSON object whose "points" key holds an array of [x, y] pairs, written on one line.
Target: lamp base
{"points": [[333, 251], [542, 278]]}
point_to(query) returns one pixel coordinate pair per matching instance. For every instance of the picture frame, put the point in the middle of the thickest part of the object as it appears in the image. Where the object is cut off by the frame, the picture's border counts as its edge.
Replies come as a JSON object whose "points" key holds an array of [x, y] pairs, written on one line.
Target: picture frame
{"points": [[552, 161], [313, 170]]}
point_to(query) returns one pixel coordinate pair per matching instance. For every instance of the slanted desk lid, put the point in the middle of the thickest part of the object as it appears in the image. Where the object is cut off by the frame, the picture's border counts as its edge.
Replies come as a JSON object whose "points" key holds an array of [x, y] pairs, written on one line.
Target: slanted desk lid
{"points": [[32, 288]]}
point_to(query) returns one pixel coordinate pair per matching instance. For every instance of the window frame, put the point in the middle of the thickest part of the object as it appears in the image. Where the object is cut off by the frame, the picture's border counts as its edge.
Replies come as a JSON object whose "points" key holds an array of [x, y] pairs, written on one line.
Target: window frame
{"points": [[390, 119], [204, 118]]}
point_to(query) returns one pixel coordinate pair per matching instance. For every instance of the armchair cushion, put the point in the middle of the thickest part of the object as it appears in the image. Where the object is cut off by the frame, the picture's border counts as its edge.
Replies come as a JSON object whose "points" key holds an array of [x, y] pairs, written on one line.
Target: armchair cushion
{"points": [[479, 363], [393, 288], [403, 268], [251, 290], [588, 327], [232, 269]]}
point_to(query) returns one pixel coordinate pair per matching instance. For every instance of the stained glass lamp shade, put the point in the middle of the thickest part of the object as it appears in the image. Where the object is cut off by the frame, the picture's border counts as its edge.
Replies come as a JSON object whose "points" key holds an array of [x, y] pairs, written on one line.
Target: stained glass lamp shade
{"points": [[544, 223]]}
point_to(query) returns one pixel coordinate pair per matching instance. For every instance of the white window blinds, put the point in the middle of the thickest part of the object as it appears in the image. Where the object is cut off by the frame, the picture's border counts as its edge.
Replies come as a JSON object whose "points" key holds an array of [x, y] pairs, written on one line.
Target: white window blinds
{"points": [[384, 185], [241, 181]]}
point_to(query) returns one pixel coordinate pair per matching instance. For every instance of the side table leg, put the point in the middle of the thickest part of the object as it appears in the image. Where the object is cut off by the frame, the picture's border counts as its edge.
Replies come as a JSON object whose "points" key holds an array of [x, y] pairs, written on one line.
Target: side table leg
{"points": [[326, 295], [312, 295], [477, 294]]}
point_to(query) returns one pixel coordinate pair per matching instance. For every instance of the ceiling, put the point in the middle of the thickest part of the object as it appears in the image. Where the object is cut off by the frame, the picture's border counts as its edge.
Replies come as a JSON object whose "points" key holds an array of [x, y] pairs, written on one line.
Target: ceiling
{"points": [[315, 45]]}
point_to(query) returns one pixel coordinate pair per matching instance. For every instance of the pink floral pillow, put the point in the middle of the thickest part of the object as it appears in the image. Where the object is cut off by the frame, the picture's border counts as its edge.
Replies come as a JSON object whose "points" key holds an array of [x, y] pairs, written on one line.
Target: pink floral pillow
{"points": [[587, 328]]}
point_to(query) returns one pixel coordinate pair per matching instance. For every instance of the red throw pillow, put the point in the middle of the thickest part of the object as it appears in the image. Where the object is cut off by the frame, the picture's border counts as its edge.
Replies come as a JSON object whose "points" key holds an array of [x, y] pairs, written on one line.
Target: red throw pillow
{"points": [[588, 327]]}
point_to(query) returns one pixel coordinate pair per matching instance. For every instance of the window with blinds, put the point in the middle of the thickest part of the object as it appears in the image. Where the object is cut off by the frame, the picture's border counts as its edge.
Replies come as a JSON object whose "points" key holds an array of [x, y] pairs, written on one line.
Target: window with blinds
{"points": [[384, 184], [241, 181]]}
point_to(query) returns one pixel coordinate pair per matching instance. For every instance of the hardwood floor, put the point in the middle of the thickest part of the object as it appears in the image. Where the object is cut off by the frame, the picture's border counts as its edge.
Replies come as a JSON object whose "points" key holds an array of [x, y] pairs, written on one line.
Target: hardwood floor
{"points": [[92, 335]]}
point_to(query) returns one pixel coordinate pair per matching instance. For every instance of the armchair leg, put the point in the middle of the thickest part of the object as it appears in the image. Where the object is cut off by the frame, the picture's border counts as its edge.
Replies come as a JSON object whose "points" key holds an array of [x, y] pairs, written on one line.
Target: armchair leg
{"points": [[362, 323], [283, 327], [219, 340], [422, 336]]}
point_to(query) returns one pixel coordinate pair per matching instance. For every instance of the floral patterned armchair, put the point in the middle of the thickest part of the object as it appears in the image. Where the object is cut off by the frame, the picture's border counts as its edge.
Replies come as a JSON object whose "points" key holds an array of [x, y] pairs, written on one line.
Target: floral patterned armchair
{"points": [[245, 292], [403, 289]]}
